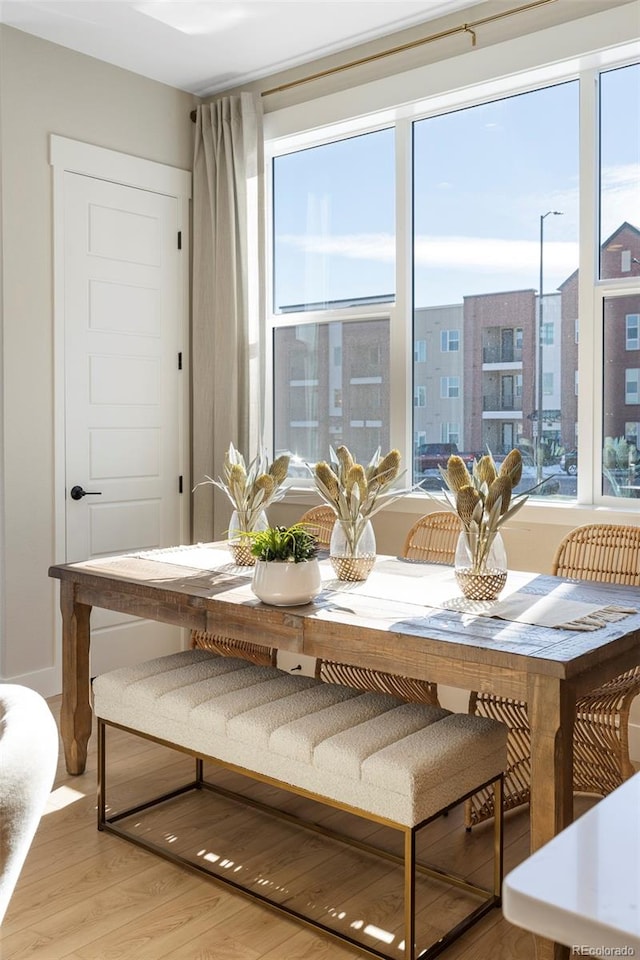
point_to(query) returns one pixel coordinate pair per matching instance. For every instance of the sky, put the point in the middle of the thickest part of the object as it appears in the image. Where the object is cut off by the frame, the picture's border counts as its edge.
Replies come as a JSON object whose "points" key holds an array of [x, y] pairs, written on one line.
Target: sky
{"points": [[483, 176]]}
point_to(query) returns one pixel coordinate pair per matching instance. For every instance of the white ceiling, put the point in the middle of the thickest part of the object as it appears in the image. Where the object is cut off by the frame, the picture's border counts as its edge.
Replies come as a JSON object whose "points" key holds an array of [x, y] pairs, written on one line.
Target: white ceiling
{"points": [[205, 46]]}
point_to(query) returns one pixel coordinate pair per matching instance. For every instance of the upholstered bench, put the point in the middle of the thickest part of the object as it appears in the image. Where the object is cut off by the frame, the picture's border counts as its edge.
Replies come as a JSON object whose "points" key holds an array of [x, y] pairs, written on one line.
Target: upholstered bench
{"points": [[400, 764]]}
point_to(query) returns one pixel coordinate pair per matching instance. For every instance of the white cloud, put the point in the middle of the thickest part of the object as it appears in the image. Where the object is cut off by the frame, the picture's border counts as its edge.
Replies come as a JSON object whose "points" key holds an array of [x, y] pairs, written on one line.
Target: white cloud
{"points": [[481, 254], [355, 246]]}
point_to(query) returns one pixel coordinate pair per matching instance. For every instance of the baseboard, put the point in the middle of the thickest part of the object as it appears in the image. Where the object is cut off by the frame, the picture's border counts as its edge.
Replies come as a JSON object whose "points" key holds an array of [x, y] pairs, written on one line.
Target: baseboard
{"points": [[47, 682]]}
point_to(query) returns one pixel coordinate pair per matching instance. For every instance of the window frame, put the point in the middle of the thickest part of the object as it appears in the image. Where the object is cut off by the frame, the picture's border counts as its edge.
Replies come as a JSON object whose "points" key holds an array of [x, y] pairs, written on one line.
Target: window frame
{"points": [[420, 394], [452, 382], [450, 341], [350, 112], [634, 380]]}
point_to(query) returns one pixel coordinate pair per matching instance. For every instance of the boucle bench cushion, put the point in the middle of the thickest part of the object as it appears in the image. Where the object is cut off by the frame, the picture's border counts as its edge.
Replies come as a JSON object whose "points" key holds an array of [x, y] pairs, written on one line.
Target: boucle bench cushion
{"points": [[401, 761]]}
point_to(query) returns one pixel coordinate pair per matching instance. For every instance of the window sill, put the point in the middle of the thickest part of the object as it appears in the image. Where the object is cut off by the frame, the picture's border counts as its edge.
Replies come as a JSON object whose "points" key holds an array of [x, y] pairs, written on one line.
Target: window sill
{"points": [[566, 514]]}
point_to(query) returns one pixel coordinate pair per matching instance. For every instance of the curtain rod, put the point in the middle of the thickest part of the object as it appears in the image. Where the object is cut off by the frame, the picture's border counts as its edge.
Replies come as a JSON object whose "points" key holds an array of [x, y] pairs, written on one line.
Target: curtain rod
{"points": [[401, 48]]}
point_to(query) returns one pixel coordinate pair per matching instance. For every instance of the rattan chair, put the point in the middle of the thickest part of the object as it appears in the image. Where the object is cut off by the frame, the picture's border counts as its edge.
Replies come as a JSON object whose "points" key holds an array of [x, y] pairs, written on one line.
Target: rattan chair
{"points": [[433, 538], [599, 551], [319, 521]]}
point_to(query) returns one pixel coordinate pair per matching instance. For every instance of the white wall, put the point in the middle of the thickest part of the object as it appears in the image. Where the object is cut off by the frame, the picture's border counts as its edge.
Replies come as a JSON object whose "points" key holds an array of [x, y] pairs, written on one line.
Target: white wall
{"points": [[44, 89]]}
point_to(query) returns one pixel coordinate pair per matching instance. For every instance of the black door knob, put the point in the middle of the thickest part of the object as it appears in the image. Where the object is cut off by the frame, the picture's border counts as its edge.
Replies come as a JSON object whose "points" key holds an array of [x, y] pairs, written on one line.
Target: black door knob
{"points": [[77, 493]]}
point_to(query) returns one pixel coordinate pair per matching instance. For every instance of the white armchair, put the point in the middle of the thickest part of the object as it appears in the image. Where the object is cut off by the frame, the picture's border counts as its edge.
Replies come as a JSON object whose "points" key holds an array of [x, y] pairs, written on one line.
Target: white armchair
{"points": [[28, 760]]}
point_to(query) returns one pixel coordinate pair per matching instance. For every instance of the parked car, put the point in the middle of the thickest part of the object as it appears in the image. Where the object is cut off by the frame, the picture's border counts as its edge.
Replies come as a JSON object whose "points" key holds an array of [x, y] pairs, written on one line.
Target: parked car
{"points": [[569, 462], [429, 456]]}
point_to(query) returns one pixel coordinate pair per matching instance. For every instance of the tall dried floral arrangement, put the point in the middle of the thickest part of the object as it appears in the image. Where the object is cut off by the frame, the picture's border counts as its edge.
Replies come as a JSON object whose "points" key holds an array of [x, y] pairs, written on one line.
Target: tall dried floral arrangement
{"points": [[355, 492], [250, 488], [483, 499]]}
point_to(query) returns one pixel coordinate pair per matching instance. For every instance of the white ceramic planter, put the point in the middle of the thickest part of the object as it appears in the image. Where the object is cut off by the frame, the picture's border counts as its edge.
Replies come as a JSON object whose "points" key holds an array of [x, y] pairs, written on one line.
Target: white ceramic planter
{"points": [[286, 584]]}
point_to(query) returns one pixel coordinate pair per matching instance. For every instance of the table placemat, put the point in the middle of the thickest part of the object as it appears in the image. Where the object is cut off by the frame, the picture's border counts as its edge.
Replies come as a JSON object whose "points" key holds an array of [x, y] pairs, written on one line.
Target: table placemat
{"points": [[433, 585], [199, 556]]}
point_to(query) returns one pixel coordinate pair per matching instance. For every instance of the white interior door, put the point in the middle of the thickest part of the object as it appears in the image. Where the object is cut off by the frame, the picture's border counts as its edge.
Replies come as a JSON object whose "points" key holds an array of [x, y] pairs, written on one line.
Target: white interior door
{"points": [[123, 326]]}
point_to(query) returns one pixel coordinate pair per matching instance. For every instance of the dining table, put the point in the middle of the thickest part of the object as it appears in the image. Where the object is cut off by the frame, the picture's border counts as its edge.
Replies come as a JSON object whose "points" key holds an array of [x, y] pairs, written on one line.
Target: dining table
{"points": [[547, 641]]}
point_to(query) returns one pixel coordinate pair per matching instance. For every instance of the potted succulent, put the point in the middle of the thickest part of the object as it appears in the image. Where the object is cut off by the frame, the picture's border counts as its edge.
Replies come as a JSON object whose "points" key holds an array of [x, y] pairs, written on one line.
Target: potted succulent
{"points": [[286, 569]]}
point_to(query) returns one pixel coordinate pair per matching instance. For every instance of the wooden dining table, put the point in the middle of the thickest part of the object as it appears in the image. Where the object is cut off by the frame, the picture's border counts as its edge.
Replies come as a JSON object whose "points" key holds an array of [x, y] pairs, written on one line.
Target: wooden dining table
{"points": [[408, 618]]}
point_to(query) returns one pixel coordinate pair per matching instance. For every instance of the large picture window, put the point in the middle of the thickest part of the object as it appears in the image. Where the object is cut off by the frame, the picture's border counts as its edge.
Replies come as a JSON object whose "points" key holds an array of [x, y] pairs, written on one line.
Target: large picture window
{"points": [[448, 242], [483, 240]]}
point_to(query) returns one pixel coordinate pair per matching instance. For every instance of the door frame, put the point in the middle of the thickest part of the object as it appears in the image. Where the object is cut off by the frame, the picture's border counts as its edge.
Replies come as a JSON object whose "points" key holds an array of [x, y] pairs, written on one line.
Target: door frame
{"points": [[74, 156]]}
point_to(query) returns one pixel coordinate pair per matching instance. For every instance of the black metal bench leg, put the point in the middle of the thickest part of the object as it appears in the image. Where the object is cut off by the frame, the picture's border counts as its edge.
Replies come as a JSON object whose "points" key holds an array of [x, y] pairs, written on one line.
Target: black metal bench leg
{"points": [[498, 837], [409, 893]]}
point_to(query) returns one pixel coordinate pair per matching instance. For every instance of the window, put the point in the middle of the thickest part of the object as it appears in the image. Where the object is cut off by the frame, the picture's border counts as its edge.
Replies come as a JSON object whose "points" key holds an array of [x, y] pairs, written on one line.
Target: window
{"points": [[334, 402], [621, 410], [420, 397], [631, 386], [468, 225], [483, 286], [333, 224], [619, 167], [450, 433], [449, 387], [518, 343], [449, 341], [547, 334]]}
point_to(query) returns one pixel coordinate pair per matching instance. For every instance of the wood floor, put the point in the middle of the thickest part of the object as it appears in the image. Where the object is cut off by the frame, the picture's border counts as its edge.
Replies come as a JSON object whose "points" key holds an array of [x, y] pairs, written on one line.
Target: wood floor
{"points": [[85, 895]]}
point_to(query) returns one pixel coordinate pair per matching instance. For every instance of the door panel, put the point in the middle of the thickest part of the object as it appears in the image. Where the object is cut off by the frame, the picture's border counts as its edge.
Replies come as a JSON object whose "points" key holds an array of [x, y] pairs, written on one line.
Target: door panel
{"points": [[122, 389]]}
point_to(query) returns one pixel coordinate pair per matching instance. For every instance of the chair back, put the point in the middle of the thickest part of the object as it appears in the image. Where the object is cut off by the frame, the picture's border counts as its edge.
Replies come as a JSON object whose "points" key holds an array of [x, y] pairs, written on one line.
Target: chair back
{"points": [[608, 552], [28, 761], [433, 538], [319, 521]]}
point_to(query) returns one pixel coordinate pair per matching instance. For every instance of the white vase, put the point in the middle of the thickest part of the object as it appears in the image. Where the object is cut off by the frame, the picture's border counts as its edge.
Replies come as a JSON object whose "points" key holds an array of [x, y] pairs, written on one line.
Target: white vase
{"points": [[239, 543], [352, 549], [483, 576], [286, 584]]}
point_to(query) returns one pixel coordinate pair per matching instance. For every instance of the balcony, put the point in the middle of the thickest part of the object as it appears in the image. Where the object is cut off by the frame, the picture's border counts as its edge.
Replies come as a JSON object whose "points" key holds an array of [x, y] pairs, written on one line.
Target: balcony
{"points": [[491, 403], [500, 355]]}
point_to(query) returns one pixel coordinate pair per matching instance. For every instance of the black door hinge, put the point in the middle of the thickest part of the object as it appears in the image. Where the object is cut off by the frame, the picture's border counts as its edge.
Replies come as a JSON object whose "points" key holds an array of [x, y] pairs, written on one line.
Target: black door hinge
{"points": [[180, 484], [180, 360], [179, 239]]}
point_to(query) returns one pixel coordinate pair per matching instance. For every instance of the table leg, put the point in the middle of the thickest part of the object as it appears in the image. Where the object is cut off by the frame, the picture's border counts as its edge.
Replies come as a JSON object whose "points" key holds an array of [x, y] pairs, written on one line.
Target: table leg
{"points": [[551, 717], [75, 715]]}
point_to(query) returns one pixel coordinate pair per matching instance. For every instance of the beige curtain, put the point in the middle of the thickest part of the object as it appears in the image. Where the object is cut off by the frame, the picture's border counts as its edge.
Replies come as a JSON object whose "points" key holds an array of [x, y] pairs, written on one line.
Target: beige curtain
{"points": [[227, 374]]}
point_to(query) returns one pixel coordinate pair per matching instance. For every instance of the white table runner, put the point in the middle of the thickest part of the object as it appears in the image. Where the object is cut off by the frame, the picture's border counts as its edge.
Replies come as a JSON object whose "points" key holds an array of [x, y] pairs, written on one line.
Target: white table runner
{"points": [[424, 585]]}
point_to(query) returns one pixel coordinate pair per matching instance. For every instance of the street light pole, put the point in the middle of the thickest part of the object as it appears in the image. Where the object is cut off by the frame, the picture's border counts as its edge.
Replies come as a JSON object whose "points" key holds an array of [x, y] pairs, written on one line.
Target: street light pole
{"points": [[543, 216]]}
